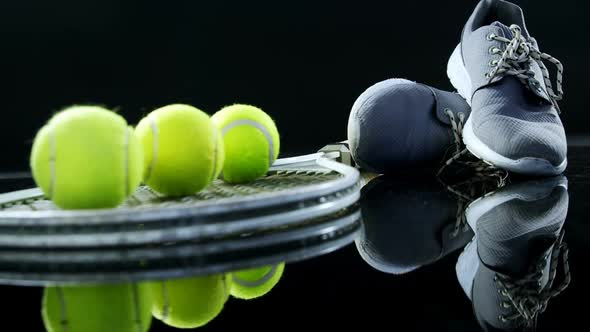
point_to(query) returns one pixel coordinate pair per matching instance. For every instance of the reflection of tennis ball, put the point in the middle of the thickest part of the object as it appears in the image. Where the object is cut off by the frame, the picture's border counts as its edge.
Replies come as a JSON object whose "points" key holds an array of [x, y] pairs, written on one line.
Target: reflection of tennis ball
{"points": [[189, 302], [253, 283], [86, 157], [182, 149], [121, 308], [251, 142]]}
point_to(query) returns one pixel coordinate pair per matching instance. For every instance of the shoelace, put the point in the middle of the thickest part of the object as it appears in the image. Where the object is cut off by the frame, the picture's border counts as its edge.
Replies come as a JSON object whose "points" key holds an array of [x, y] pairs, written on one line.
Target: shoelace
{"points": [[461, 224], [526, 296], [485, 179], [462, 157], [517, 59]]}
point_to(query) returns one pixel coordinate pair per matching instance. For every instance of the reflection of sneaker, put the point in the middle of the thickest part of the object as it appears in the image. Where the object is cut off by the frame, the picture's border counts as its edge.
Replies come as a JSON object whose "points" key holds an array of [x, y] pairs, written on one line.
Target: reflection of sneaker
{"points": [[499, 69], [508, 271], [397, 124], [409, 222]]}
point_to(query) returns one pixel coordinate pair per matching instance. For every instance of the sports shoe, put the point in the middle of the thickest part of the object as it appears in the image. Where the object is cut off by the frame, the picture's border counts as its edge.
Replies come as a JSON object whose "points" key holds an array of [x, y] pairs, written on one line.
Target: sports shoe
{"points": [[500, 71], [509, 270], [409, 222], [397, 124]]}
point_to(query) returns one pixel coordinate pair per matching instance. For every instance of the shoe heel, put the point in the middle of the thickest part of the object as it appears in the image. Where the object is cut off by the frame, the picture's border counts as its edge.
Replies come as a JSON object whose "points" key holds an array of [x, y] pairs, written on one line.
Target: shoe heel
{"points": [[458, 74]]}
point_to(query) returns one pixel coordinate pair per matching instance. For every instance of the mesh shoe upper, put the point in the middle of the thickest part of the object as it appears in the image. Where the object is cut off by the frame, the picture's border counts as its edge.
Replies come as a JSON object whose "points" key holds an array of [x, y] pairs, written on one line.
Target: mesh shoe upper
{"points": [[514, 119], [514, 232], [514, 125]]}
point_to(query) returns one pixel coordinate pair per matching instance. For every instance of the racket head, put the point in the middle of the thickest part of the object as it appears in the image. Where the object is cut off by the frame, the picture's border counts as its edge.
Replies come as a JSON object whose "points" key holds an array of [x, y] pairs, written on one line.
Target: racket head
{"points": [[305, 206]]}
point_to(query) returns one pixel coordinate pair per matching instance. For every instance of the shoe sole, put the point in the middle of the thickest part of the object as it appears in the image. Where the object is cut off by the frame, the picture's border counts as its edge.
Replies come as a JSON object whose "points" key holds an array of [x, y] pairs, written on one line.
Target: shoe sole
{"points": [[527, 165]]}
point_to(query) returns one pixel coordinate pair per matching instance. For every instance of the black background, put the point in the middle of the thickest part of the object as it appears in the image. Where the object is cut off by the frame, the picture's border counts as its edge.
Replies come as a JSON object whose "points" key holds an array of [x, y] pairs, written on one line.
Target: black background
{"points": [[302, 62]]}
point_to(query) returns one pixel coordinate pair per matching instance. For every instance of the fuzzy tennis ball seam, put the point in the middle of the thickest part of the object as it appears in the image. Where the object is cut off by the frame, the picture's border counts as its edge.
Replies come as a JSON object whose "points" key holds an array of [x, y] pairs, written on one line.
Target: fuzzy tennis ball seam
{"points": [[216, 141], [246, 122], [128, 133], [256, 282], [154, 129], [251, 142]]}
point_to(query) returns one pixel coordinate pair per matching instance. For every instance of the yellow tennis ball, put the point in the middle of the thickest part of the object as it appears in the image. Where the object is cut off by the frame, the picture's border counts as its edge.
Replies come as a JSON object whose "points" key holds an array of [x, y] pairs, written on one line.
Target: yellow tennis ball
{"points": [[251, 142], [86, 157], [252, 283], [121, 308], [183, 151], [189, 302]]}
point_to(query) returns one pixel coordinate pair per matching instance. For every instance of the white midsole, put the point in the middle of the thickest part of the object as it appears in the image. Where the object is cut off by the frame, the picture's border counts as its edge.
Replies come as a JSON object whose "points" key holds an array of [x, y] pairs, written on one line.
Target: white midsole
{"points": [[467, 266], [458, 74]]}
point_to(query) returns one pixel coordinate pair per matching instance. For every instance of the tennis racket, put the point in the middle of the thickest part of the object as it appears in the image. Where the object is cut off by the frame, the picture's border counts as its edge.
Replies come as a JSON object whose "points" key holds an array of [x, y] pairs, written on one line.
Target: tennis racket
{"points": [[304, 206]]}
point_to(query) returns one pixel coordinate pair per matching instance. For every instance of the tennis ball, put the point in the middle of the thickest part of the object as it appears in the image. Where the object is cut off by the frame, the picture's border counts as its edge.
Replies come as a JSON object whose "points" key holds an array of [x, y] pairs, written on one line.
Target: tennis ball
{"points": [[251, 142], [183, 151], [97, 308], [252, 283], [86, 157], [189, 302]]}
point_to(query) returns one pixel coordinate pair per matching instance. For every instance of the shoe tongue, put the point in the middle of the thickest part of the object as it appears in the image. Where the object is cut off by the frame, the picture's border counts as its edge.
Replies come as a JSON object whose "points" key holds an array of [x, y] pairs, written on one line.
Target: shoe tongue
{"points": [[505, 30]]}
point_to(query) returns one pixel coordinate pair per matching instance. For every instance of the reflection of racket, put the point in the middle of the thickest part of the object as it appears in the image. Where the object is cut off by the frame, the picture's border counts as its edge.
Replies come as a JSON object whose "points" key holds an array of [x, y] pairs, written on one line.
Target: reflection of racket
{"points": [[301, 208]]}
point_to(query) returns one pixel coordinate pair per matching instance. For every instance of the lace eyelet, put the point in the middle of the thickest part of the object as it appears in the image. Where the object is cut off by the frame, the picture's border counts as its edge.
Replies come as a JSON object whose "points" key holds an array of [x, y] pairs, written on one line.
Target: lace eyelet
{"points": [[490, 36], [492, 63], [492, 50], [487, 75], [502, 319]]}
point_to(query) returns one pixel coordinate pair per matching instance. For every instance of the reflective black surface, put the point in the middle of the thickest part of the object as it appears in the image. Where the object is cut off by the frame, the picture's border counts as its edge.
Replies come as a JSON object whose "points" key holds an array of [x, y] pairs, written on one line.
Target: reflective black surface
{"points": [[416, 265]]}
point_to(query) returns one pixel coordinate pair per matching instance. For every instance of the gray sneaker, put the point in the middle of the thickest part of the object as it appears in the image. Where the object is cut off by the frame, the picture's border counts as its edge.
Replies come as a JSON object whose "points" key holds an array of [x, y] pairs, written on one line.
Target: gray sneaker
{"points": [[500, 71], [509, 269], [397, 124]]}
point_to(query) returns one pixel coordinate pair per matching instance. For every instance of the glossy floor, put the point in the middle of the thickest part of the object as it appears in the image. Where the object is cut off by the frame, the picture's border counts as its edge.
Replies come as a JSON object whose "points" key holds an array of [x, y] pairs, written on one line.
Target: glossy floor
{"points": [[416, 266]]}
